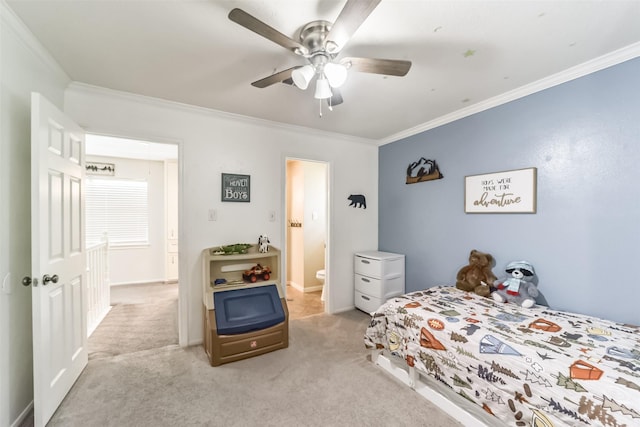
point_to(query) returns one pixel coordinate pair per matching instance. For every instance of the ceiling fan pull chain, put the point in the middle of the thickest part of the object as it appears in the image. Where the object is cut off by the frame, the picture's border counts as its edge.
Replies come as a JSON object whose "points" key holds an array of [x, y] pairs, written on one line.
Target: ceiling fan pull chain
{"points": [[320, 105]]}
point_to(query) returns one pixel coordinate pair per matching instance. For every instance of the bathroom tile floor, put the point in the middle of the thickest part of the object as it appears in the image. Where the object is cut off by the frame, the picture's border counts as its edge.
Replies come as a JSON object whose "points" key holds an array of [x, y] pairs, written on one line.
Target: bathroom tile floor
{"points": [[303, 304]]}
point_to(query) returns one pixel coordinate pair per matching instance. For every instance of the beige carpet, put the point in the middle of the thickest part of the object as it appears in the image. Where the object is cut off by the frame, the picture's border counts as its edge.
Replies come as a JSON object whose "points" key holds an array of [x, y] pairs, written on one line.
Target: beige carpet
{"points": [[322, 379], [142, 317]]}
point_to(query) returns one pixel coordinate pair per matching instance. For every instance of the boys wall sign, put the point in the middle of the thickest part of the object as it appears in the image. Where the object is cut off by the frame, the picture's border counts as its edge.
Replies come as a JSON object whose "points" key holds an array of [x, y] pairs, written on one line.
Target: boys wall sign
{"points": [[511, 191], [236, 188]]}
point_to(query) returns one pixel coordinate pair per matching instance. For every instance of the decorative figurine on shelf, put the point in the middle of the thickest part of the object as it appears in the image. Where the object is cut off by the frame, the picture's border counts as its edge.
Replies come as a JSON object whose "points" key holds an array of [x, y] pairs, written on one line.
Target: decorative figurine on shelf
{"points": [[263, 243], [236, 248], [257, 272]]}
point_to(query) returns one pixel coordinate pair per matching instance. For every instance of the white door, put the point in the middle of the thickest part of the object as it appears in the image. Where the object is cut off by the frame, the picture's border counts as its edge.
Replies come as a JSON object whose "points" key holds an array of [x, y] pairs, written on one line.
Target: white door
{"points": [[59, 299]]}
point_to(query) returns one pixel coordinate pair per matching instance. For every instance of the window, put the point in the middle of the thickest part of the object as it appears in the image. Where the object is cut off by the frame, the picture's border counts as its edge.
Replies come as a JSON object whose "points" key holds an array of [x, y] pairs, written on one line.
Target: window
{"points": [[118, 207]]}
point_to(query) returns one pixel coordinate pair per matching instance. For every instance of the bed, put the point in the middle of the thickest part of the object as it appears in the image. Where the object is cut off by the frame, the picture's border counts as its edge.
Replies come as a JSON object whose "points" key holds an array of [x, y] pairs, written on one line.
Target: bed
{"points": [[509, 365]]}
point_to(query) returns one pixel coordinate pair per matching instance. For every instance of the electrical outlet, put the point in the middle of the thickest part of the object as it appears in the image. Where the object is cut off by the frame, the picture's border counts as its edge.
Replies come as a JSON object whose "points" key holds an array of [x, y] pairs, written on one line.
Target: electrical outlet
{"points": [[213, 215]]}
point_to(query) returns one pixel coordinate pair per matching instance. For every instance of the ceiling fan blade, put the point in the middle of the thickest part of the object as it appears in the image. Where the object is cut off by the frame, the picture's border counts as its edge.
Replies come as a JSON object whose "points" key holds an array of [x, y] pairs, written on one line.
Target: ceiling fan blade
{"points": [[391, 67], [282, 76], [241, 17], [336, 98], [351, 17]]}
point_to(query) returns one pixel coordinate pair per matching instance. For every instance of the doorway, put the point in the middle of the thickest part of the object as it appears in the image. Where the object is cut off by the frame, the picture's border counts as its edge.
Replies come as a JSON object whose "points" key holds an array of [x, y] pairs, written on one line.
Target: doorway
{"points": [[132, 194], [306, 237]]}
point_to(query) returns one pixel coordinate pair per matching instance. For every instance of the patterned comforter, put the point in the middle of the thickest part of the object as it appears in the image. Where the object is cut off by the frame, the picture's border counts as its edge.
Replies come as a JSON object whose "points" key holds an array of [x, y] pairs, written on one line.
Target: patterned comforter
{"points": [[526, 366]]}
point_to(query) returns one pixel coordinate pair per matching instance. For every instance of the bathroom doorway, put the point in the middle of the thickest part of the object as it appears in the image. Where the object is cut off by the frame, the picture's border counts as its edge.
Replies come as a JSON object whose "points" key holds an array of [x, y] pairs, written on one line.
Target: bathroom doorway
{"points": [[306, 237]]}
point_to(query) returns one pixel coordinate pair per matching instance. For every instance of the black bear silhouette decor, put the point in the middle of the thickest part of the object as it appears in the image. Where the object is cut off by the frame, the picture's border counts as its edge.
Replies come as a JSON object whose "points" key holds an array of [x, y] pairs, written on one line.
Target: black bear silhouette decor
{"points": [[357, 201]]}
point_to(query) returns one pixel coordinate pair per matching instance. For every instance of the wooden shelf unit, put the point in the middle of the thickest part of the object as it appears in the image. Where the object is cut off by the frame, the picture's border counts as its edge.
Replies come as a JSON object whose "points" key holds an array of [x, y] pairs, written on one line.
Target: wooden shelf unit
{"points": [[231, 267], [229, 348]]}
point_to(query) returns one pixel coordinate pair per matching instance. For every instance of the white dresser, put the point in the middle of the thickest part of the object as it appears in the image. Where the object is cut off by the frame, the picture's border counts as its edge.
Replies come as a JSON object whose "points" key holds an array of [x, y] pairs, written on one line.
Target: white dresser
{"points": [[378, 277]]}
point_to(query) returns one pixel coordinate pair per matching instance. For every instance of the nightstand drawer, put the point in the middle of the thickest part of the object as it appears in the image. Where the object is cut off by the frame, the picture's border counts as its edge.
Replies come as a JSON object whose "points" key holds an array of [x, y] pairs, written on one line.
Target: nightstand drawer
{"points": [[366, 302], [368, 285], [368, 266]]}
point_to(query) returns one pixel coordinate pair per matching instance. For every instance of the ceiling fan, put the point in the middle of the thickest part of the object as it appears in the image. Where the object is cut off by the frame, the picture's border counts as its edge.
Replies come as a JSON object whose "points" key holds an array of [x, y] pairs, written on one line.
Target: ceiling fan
{"points": [[320, 43]]}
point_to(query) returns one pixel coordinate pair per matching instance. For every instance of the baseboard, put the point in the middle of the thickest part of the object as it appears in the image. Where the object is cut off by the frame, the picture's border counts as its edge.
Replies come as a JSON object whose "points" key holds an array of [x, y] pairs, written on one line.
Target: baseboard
{"points": [[344, 309], [195, 342], [23, 415], [295, 286], [141, 282], [304, 289]]}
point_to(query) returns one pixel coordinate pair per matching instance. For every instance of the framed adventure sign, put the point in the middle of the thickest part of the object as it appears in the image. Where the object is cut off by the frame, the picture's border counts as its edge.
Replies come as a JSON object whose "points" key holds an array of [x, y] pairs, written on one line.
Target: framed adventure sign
{"points": [[236, 188], [511, 191]]}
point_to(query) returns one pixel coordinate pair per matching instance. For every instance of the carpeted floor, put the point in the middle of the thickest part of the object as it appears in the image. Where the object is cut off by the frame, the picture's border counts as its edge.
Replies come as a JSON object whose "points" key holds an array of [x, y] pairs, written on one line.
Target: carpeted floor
{"points": [[322, 379], [138, 376], [142, 317]]}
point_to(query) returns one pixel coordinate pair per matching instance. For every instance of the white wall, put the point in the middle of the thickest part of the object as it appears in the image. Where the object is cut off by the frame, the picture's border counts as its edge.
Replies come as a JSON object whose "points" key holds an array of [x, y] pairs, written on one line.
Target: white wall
{"points": [[24, 67], [212, 143], [295, 235], [314, 221], [141, 264]]}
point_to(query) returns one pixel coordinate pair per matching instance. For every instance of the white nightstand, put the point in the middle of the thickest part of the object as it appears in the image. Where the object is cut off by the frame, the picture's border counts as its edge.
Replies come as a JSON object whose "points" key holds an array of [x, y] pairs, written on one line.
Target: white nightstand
{"points": [[378, 277]]}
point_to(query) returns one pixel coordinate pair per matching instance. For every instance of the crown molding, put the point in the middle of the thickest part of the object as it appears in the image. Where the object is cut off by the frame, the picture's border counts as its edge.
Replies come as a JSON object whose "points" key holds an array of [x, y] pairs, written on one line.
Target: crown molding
{"points": [[616, 57], [15, 24], [173, 105]]}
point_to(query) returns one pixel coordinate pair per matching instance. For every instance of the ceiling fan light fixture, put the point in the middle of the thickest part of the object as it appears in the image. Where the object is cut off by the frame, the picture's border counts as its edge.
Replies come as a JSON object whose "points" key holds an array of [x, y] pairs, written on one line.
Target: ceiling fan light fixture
{"points": [[331, 46], [323, 90], [303, 75], [336, 74]]}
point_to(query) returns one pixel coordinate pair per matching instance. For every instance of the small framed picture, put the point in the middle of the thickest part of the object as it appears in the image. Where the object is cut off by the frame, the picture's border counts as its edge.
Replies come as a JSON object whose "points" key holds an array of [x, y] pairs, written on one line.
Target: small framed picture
{"points": [[97, 168], [236, 188]]}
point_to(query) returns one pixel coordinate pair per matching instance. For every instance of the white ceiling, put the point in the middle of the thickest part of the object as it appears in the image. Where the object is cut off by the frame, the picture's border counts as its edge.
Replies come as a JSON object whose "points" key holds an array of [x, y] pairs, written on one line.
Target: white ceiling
{"points": [[463, 52], [102, 145]]}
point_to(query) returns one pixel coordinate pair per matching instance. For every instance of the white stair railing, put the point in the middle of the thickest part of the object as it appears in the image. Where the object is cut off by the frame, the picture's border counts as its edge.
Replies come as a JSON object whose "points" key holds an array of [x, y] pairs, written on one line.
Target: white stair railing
{"points": [[99, 294]]}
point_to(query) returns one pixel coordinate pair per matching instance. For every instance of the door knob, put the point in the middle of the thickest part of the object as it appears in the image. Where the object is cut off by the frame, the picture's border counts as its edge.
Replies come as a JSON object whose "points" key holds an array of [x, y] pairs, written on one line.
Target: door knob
{"points": [[28, 281], [46, 279]]}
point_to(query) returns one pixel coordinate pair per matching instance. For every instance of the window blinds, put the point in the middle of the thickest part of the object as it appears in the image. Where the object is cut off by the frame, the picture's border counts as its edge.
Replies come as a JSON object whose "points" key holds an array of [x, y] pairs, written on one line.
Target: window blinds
{"points": [[118, 207]]}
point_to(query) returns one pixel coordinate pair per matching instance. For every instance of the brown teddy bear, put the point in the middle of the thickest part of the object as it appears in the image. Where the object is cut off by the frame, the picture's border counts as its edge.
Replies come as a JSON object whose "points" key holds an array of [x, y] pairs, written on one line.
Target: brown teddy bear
{"points": [[476, 277]]}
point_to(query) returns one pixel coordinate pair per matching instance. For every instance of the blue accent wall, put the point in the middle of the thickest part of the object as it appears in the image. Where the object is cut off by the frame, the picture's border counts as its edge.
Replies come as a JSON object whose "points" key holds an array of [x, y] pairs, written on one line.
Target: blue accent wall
{"points": [[583, 137]]}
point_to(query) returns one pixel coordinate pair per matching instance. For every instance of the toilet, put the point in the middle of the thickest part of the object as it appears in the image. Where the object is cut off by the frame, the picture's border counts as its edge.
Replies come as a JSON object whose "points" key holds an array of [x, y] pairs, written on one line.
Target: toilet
{"points": [[320, 275]]}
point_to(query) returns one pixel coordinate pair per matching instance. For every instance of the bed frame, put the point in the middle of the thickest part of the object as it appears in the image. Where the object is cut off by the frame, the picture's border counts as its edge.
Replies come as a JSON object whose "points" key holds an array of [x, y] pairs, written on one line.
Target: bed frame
{"points": [[490, 364], [468, 414]]}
